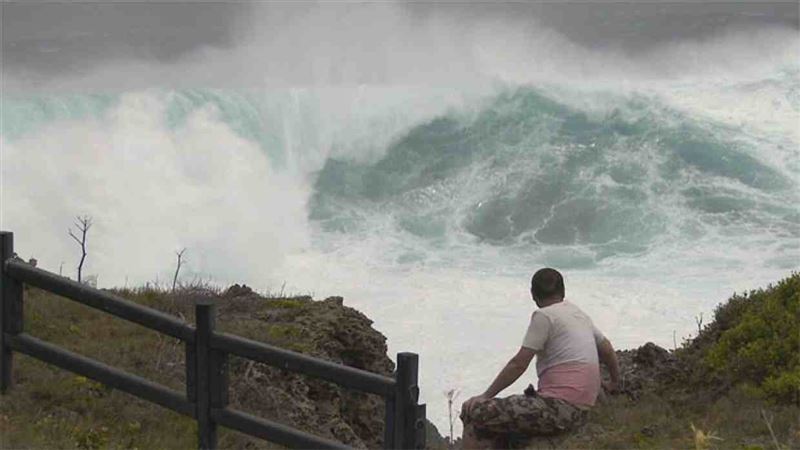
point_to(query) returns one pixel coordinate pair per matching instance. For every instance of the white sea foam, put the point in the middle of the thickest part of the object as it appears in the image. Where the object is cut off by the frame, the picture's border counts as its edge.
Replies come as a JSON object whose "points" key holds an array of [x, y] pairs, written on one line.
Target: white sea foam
{"points": [[151, 190]]}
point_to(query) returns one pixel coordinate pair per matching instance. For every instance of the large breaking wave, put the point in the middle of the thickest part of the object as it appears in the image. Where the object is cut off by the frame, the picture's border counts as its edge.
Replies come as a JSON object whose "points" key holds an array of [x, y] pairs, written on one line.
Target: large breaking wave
{"points": [[554, 174], [531, 172]]}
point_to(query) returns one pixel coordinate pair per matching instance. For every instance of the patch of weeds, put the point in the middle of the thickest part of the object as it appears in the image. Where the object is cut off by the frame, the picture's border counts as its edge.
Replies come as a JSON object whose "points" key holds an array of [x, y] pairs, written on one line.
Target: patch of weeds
{"points": [[288, 336], [643, 441], [90, 387], [91, 438], [285, 303]]}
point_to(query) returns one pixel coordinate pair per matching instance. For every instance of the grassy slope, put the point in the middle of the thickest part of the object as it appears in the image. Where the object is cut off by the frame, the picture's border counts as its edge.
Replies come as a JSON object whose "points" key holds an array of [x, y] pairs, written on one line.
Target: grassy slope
{"points": [[52, 408], [665, 422]]}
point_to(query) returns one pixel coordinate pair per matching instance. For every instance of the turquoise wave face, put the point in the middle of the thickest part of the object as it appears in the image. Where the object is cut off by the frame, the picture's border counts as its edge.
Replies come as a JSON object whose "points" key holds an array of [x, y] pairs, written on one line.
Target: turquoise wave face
{"points": [[25, 115], [251, 115], [528, 170]]}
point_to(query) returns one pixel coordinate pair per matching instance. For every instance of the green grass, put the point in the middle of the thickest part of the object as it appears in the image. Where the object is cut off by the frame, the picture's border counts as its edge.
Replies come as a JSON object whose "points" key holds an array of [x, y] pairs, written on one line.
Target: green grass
{"points": [[52, 408], [659, 422]]}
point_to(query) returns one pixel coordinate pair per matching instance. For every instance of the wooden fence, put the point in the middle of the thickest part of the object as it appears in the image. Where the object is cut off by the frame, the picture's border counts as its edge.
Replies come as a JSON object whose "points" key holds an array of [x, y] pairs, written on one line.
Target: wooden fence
{"points": [[207, 352]]}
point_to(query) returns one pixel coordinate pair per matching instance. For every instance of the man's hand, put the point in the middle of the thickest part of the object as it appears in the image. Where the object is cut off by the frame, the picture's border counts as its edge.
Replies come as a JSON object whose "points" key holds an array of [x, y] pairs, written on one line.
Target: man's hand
{"points": [[513, 369], [607, 355], [611, 387], [469, 405]]}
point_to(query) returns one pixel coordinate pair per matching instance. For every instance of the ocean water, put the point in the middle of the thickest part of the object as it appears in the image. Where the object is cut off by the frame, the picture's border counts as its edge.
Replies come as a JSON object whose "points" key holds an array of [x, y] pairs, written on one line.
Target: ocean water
{"points": [[427, 207]]}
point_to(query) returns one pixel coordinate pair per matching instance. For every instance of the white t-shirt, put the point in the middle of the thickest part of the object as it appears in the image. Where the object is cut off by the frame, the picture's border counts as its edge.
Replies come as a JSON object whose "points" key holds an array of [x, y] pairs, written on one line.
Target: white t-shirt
{"points": [[562, 333]]}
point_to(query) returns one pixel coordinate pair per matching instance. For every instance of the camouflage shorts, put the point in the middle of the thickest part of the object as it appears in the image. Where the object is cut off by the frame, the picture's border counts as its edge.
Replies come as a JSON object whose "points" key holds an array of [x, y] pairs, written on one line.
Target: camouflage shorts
{"points": [[528, 415]]}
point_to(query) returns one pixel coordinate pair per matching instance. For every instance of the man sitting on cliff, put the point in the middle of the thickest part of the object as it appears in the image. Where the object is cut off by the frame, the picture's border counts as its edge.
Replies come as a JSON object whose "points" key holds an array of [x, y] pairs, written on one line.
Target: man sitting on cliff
{"points": [[568, 349]]}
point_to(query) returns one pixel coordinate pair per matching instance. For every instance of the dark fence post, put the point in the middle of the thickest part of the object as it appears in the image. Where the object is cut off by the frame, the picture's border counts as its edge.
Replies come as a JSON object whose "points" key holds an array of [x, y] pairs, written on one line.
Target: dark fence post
{"points": [[205, 312], [10, 310], [420, 438], [389, 427], [406, 397], [218, 382], [190, 352]]}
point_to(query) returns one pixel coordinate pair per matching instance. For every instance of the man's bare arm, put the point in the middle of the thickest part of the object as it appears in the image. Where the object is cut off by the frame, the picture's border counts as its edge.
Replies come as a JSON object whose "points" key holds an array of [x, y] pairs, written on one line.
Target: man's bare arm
{"points": [[609, 357], [515, 367]]}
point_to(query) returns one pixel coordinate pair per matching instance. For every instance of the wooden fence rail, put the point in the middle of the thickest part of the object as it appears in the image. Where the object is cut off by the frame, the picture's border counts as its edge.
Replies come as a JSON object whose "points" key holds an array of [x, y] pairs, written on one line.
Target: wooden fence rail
{"points": [[207, 352]]}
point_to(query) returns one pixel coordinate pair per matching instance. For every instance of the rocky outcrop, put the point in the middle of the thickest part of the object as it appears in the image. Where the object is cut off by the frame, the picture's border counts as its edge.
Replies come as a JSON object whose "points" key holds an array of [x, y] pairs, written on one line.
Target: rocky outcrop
{"points": [[648, 367], [325, 329]]}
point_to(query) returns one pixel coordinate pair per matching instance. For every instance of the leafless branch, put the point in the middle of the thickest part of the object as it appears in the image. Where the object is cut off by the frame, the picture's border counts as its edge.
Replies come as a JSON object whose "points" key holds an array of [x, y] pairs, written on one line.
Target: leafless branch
{"points": [[177, 268], [451, 395], [83, 224], [769, 426]]}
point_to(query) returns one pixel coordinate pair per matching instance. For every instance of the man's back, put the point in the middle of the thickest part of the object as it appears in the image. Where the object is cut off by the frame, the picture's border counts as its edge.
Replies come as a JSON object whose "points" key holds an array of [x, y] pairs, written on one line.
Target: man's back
{"points": [[565, 341]]}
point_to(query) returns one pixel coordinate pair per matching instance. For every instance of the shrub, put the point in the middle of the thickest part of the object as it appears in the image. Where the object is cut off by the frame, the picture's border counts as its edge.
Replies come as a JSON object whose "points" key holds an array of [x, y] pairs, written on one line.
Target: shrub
{"points": [[759, 339]]}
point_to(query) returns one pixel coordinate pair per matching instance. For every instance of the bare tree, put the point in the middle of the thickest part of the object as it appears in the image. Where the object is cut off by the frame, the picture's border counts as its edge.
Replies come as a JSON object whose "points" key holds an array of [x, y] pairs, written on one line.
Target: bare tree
{"points": [[178, 268], [83, 224], [451, 395]]}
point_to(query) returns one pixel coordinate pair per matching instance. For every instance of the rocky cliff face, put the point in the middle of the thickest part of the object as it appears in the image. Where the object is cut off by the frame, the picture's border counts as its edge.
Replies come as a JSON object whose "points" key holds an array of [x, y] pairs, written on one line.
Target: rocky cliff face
{"points": [[647, 368], [326, 329]]}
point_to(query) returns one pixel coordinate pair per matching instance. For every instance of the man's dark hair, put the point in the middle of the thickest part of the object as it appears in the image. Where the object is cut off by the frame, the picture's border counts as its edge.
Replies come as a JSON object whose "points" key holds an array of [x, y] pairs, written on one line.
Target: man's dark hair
{"points": [[547, 283]]}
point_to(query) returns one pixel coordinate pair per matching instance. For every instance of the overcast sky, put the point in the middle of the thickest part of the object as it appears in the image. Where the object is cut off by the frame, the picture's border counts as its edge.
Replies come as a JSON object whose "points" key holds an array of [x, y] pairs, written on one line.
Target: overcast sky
{"points": [[49, 40]]}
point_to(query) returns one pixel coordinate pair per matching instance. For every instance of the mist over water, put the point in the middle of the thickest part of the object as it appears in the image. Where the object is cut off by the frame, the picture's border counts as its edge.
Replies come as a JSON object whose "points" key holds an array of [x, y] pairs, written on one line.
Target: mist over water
{"points": [[423, 168]]}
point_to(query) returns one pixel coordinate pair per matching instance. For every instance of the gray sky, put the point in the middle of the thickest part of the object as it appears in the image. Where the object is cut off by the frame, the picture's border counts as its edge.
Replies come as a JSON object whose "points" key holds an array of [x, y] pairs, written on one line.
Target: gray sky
{"points": [[50, 40], [56, 37]]}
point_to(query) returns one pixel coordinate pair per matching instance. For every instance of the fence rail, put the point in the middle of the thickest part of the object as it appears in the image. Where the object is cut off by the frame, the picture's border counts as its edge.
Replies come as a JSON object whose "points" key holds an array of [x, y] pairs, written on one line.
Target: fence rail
{"points": [[110, 376], [272, 431], [104, 301], [207, 353], [297, 362]]}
